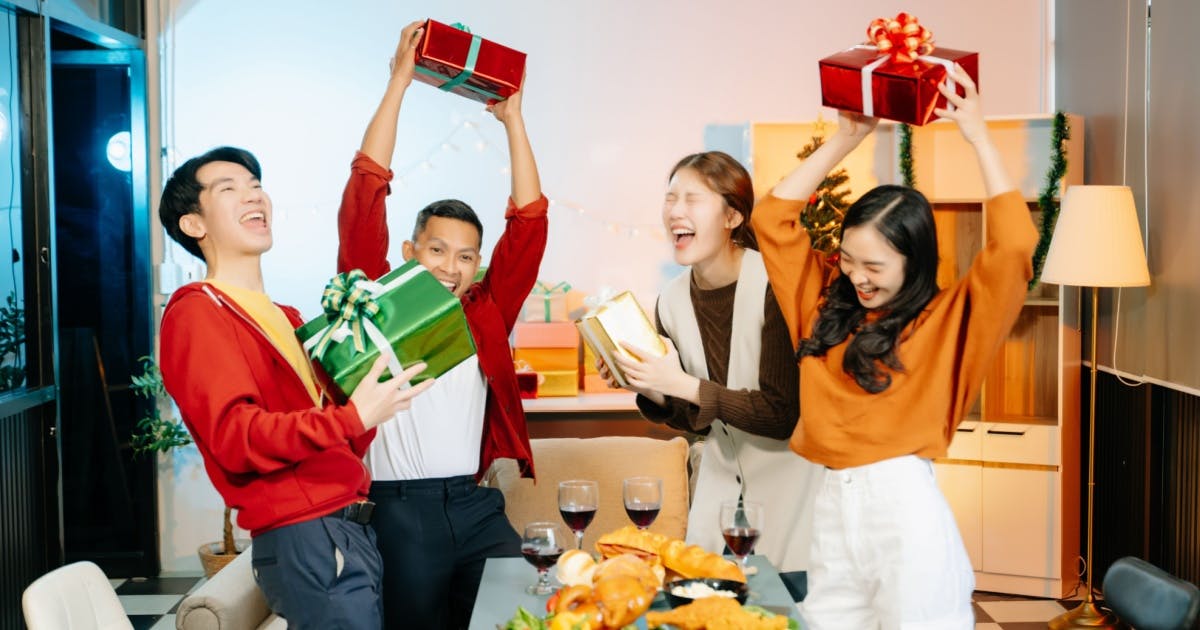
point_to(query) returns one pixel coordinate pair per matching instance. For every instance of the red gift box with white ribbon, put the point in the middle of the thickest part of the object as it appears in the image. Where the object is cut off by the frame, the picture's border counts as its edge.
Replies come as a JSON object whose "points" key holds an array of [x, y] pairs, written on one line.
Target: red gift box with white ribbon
{"points": [[895, 75]]}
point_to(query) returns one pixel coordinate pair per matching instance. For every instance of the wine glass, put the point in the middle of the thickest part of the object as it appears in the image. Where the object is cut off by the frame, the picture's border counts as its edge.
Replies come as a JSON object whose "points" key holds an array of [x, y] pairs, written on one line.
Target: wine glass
{"points": [[541, 545], [741, 525], [643, 499], [577, 503]]}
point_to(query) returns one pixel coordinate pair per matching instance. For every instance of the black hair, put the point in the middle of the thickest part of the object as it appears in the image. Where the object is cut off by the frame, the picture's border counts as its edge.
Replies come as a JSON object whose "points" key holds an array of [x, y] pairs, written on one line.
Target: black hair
{"points": [[903, 216], [447, 209], [181, 194]]}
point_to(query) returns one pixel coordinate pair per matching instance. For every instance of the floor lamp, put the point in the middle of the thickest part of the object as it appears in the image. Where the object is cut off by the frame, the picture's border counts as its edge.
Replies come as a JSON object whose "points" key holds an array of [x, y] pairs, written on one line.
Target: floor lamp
{"points": [[1097, 243]]}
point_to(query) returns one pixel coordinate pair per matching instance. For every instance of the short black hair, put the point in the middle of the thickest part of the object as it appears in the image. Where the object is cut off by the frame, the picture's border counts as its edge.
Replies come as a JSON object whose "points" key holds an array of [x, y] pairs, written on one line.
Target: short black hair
{"points": [[181, 194], [447, 209]]}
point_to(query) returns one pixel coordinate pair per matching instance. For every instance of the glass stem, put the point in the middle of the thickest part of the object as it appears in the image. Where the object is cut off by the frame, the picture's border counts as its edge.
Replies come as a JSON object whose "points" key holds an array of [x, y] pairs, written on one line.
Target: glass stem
{"points": [[579, 540]]}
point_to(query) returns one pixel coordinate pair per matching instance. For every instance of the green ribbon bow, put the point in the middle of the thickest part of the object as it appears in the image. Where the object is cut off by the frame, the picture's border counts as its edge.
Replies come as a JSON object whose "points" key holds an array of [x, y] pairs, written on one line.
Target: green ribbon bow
{"points": [[346, 301], [468, 67], [547, 292]]}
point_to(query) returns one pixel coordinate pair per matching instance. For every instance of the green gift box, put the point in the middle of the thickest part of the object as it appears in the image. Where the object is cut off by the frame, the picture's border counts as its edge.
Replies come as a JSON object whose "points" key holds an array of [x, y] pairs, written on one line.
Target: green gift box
{"points": [[406, 313]]}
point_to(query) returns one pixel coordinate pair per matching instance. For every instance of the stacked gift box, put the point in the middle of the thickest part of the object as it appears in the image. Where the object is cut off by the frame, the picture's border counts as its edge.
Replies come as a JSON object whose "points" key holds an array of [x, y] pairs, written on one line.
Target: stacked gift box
{"points": [[551, 350]]}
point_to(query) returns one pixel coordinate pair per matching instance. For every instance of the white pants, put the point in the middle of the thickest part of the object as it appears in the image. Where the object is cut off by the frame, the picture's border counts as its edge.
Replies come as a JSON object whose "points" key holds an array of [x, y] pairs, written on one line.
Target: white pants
{"points": [[886, 552]]}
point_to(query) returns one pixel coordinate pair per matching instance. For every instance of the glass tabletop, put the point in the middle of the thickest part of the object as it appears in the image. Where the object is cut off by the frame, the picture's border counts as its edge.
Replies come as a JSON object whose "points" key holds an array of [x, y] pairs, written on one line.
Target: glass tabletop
{"points": [[502, 590]]}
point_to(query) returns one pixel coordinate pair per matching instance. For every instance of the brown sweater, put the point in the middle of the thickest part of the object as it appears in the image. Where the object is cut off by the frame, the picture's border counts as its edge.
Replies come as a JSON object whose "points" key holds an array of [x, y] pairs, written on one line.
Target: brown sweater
{"points": [[946, 351], [770, 411]]}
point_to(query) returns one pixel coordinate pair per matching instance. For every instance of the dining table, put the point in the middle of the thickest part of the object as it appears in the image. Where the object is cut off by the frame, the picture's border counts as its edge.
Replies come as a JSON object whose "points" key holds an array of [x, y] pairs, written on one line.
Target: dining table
{"points": [[502, 590]]}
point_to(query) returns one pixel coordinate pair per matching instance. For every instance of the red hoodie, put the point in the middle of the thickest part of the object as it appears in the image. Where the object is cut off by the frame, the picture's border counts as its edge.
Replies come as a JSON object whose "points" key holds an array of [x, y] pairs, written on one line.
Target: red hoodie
{"points": [[272, 455], [491, 305]]}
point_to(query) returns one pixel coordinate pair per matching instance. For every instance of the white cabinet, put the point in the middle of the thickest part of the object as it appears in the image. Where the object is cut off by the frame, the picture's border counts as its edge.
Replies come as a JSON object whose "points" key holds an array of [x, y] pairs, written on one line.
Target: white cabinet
{"points": [[1011, 475]]}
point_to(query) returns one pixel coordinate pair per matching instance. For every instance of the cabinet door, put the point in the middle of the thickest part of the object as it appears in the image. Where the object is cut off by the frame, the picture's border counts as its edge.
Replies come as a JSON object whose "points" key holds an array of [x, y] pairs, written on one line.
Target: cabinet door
{"points": [[960, 483], [1020, 517]]}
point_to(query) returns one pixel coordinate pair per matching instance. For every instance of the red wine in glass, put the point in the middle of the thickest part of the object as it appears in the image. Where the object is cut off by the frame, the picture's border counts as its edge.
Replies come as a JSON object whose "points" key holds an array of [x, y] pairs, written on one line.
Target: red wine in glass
{"points": [[577, 518], [740, 539], [642, 516], [541, 558]]}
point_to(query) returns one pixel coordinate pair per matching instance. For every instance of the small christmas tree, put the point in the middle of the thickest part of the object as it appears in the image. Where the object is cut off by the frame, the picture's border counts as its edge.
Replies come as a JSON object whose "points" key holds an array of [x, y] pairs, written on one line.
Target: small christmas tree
{"points": [[826, 208]]}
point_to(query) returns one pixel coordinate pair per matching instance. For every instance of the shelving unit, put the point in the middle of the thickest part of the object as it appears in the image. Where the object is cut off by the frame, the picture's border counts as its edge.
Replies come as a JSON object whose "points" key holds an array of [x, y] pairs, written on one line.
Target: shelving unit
{"points": [[1011, 475]]}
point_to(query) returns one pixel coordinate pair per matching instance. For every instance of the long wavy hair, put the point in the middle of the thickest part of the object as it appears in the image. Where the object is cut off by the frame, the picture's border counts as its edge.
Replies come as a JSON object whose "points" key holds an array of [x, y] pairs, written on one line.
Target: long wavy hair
{"points": [[903, 216]]}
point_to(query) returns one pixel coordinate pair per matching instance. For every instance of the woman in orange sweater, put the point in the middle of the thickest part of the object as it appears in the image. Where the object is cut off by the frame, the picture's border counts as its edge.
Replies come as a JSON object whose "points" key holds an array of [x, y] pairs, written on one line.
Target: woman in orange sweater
{"points": [[889, 365]]}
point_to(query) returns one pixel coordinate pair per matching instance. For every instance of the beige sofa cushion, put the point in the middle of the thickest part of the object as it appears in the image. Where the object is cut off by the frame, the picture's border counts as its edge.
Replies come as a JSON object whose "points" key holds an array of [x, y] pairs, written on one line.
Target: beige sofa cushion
{"points": [[608, 461], [231, 600]]}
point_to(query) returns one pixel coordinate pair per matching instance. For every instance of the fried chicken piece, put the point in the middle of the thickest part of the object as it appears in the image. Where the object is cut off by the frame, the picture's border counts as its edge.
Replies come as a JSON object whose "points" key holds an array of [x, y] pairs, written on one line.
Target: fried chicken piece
{"points": [[715, 613]]}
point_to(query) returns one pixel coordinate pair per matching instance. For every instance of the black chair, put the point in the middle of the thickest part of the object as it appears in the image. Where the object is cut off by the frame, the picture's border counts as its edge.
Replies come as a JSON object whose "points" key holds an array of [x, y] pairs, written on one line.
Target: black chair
{"points": [[1148, 598]]}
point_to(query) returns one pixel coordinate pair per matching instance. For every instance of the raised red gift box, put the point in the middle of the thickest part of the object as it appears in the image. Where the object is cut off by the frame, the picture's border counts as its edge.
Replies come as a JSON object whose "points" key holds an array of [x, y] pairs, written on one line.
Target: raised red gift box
{"points": [[451, 58], [903, 87]]}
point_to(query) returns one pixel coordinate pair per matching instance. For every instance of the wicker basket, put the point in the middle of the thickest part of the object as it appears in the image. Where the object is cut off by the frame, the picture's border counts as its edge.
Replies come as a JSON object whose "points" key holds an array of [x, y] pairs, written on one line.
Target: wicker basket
{"points": [[213, 560]]}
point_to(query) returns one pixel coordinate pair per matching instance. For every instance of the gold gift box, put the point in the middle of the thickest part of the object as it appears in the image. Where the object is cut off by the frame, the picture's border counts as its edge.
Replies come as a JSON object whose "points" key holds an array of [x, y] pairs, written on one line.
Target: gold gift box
{"points": [[558, 383], [618, 320]]}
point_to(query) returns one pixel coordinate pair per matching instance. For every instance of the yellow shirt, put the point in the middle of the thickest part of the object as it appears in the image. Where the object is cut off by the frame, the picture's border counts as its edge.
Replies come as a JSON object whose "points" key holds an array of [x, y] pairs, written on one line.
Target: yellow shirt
{"points": [[279, 330]]}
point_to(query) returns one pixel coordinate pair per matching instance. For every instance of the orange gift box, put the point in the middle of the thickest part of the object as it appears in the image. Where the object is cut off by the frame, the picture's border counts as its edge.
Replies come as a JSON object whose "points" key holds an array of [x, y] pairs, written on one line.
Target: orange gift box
{"points": [[545, 335], [594, 384], [542, 359]]}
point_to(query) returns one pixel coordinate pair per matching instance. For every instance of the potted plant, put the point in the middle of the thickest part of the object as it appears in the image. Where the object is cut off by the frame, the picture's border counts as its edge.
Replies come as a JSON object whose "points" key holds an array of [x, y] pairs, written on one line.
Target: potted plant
{"points": [[12, 344], [155, 433]]}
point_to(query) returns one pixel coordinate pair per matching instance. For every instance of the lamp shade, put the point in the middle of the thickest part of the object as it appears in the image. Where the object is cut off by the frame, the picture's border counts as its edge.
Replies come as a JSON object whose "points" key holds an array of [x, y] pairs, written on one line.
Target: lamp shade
{"points": [[1097, 241]]}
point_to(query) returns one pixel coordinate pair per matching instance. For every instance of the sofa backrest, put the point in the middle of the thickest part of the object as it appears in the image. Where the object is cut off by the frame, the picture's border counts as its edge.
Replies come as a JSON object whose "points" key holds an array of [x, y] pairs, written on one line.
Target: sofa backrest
{"points": [[230, 600], [608, 461]]}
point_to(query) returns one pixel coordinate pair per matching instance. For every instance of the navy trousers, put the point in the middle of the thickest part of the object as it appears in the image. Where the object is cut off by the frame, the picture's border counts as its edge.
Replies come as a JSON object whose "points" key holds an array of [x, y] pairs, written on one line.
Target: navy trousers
{"points": [[324, 573], [434, 535]]}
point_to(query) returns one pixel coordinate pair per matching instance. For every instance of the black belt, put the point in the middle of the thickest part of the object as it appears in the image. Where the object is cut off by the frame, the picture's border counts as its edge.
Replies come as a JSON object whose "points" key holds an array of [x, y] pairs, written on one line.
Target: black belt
{"points": [[359, 512]]}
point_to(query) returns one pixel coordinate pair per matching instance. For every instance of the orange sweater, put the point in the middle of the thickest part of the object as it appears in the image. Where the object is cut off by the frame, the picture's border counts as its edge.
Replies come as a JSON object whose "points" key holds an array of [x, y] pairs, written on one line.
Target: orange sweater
{"points": [[946, 351]]}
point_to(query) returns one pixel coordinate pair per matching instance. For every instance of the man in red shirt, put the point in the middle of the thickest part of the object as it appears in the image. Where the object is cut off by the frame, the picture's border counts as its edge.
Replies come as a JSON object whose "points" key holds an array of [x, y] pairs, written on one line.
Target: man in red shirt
{"points": [[286, 459], [436, 525]]}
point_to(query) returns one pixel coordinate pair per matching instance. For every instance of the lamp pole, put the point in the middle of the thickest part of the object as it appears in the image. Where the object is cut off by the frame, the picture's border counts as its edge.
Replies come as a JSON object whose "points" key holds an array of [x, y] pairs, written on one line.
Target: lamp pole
{"points": [[1087, 614]]}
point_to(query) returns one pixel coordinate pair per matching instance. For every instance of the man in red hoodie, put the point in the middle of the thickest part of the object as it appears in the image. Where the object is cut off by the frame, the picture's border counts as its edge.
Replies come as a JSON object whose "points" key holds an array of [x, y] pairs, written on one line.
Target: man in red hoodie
{"points": [[436, 525], [286, 459]]}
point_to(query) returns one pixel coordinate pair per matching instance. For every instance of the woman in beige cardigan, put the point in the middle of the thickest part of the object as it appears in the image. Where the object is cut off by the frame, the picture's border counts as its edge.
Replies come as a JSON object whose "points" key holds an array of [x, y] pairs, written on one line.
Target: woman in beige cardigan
{"points": [[729, 372]]}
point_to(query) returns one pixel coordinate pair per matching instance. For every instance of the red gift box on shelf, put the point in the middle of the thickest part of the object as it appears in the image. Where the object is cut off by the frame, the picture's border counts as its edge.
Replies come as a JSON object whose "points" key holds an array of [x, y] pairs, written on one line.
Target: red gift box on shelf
{"points": [[452, 59], [896, 76], [527, 380]]}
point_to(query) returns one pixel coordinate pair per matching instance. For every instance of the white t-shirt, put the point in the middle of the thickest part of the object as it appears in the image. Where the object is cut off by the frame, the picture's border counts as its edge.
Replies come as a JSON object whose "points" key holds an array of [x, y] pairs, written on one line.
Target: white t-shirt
{"points": [[439, 436]]}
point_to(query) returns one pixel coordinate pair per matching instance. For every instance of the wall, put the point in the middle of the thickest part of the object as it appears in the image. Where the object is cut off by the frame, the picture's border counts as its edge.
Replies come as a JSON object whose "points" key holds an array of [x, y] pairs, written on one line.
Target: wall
{"points": [[1147, 437], [1154, 155], [612, 102]]}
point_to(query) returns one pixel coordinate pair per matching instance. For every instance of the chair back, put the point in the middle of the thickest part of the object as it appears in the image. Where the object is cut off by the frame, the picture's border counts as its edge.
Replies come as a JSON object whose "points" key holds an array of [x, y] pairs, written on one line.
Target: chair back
{"points": [[74, 597], [608, 461], [1148, 598]]}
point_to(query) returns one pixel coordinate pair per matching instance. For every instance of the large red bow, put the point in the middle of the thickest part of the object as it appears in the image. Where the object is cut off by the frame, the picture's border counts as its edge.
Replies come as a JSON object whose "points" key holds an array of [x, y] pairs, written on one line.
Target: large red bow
{"points": [[902, 37]]}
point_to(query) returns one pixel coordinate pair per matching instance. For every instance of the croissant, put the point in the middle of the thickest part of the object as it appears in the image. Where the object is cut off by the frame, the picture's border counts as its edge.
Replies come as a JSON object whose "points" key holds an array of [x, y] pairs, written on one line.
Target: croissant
{"points": [[650, 576], [629, 539], [691, 561]]}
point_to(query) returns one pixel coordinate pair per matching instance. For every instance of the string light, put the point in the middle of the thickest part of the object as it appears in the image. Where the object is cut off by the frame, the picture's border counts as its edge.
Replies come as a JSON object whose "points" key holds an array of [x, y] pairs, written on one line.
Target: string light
{"points": [[426, 164]]}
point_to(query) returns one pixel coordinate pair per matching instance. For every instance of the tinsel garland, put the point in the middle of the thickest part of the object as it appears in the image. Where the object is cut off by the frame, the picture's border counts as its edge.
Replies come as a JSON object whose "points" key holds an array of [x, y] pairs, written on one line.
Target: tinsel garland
{"points": [[906, 156], [1048, 200]]}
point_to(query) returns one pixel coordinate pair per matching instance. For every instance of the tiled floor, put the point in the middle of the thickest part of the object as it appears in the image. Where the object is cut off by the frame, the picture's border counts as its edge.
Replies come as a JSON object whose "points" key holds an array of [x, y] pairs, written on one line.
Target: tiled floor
{"points": [[151, 604]]}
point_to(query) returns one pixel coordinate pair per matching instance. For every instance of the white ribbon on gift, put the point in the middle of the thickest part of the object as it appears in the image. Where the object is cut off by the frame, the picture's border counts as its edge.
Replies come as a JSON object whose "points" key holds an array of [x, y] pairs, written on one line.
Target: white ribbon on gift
{"points": [[868, 92], [373, 333], [596, 300]]}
